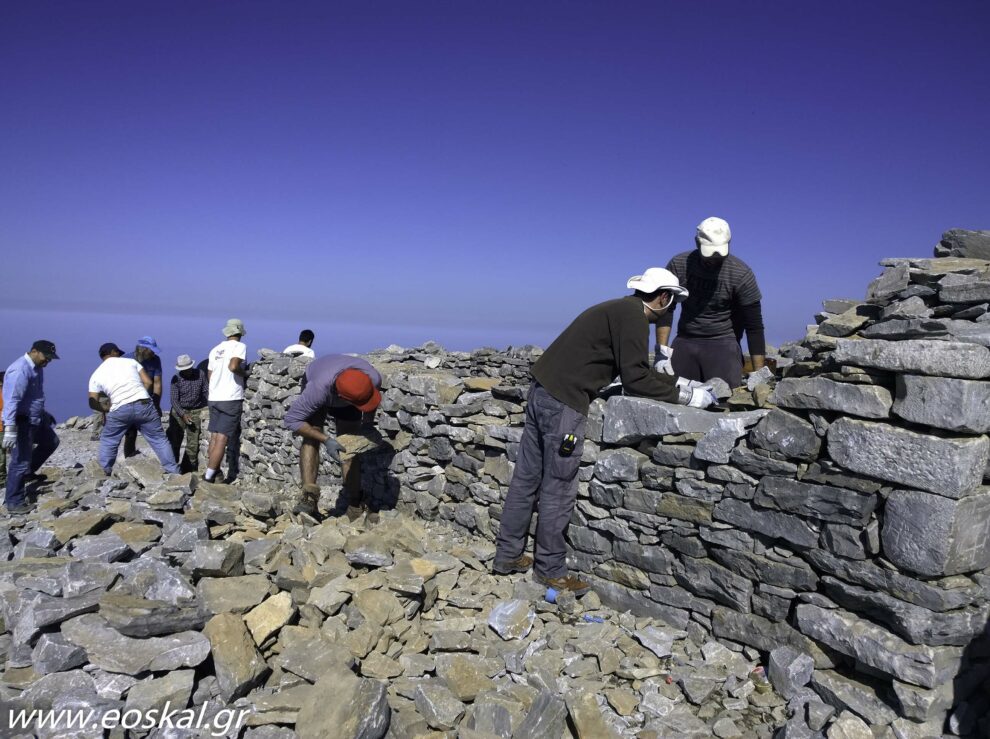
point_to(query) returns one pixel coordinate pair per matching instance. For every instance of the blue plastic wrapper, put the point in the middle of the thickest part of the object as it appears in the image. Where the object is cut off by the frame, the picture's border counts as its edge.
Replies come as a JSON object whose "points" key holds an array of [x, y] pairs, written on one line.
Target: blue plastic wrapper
{"points": [[551, 596]]}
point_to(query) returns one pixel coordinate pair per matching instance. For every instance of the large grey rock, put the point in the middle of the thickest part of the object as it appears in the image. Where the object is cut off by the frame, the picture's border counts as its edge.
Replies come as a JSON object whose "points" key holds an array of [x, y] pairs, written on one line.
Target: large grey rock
{"points": [[849, 726], [512, 619], [39, 611], [619, 465], [659, 640], [887, 285], [857, 694], [929, 595], [238, 665], [54, 653], [849, 321], [710, 580], [752, 462], [960, 242], [546, 718], [438, 705], [933, 535], [765, 635], [878, 648], [916, 624], [344, 706], [140, 617], [821, 502], [794, 573], [629, 420], [236, 594], [972, 292], [113, 652], [173, 689], [918, 356], [818, 393], [587, 717], [216, 559], [945, 403], [789, 670], [947, 466], [786, 434], [719, 441], [772, 524], [922, 704]]}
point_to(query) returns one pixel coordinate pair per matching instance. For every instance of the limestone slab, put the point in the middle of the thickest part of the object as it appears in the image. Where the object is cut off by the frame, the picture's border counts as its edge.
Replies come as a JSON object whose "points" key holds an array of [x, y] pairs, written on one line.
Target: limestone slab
{"points": [[934, 535], [916, 356], [953, 467]]}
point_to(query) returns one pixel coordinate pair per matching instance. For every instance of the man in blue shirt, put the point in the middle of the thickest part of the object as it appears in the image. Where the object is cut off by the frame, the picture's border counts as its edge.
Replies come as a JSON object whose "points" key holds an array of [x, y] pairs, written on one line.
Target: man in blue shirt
{"points": [[147, 355], [28, 435]]}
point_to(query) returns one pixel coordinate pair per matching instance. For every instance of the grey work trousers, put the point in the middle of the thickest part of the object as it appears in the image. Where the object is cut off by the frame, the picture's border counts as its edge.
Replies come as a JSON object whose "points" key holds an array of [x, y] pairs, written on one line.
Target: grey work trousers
{"points": [[704, 359], [545, 479]]}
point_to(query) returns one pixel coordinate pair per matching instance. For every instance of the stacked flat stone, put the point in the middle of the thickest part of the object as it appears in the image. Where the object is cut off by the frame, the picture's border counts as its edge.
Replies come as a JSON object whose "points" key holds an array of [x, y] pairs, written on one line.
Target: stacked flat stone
{"points": [[839, 511]]}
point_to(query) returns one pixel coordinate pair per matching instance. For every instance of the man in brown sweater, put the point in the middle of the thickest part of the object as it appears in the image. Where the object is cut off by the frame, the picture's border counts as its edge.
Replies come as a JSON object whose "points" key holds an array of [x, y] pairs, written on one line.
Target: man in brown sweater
{"points": [[607, 340]]}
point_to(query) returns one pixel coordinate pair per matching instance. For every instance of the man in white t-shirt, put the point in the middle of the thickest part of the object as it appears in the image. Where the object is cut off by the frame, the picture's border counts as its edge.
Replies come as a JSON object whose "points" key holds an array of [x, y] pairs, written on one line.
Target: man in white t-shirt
{"points": [[128, 405], [305, 346], [227, 371]]}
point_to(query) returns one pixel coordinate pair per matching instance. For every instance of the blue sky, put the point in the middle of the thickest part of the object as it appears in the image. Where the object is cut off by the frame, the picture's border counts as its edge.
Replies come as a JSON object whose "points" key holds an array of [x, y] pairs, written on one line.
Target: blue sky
{"points": [[486, 168]]}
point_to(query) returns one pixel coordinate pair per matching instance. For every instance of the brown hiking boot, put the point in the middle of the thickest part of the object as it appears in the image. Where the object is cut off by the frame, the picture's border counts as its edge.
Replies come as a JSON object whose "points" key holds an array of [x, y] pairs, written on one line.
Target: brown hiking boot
{"points": [[308, 504], [522, 563], [567, 582]]}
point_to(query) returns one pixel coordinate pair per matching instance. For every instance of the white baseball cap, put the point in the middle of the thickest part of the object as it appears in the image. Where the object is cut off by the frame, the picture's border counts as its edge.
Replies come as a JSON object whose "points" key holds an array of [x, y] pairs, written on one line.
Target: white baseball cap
{"points": [[713, 237], [656, 278]]}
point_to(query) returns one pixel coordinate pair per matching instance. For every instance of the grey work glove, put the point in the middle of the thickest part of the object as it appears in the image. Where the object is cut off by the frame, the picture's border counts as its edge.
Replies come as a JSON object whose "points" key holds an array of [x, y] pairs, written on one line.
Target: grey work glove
{"points": [[9, 437], [334, 448], [662, 359]]}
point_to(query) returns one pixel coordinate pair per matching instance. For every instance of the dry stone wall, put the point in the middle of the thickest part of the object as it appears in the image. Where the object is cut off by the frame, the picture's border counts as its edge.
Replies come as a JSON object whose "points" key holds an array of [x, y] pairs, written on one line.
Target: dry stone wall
{"points": [[838, 510]]}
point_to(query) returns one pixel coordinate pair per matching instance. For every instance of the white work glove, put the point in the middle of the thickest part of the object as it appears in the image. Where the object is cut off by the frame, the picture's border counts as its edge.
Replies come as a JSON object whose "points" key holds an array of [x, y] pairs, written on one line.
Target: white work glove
{"points": [[701, 396], [683, 382], [9, 437], [662, 358]]}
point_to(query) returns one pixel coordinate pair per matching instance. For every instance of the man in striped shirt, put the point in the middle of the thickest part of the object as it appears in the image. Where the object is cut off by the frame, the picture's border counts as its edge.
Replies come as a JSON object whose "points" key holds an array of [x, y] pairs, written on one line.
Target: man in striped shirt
{"points": [[724, 302], [189, 392]]}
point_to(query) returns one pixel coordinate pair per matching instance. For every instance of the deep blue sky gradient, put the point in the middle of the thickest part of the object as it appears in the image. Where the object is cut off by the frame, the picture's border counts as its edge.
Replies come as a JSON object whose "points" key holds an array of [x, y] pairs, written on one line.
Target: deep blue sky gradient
{"points": [[478, 170]]}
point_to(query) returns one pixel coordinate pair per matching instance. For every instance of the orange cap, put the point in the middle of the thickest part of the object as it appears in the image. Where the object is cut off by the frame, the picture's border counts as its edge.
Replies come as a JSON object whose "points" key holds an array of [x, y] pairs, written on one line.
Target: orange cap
{"points": [[356, 388]]}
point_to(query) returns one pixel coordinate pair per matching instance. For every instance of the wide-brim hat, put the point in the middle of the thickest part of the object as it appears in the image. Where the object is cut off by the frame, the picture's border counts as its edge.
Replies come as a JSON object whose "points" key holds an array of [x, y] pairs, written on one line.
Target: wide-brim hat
{"points": [[658, 278], [148, 343], [234, 327]]}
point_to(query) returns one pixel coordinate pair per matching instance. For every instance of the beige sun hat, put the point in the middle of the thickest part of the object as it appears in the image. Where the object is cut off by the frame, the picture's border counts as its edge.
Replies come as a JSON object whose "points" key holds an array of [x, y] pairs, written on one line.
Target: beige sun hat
{"points": [[234, 327]]}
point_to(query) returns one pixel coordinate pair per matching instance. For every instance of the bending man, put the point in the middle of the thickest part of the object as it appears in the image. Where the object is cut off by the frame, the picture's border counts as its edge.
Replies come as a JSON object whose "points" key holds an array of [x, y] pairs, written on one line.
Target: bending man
{"points": [[128, 405], [344, 388]]}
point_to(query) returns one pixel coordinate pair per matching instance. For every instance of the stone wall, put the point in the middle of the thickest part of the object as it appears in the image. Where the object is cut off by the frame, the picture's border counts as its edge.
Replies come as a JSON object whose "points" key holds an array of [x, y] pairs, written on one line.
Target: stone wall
{"points": [[839, 509]]}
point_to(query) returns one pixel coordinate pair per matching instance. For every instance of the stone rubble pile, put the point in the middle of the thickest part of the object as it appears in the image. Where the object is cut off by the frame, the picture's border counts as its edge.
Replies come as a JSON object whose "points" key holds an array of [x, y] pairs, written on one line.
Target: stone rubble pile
{"points": [[838, 511], [136, 592]]}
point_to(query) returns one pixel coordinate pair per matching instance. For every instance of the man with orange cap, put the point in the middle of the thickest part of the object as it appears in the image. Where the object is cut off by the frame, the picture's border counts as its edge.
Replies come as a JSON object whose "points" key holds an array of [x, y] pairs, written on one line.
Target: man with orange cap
{"points": [[344, 388]]}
